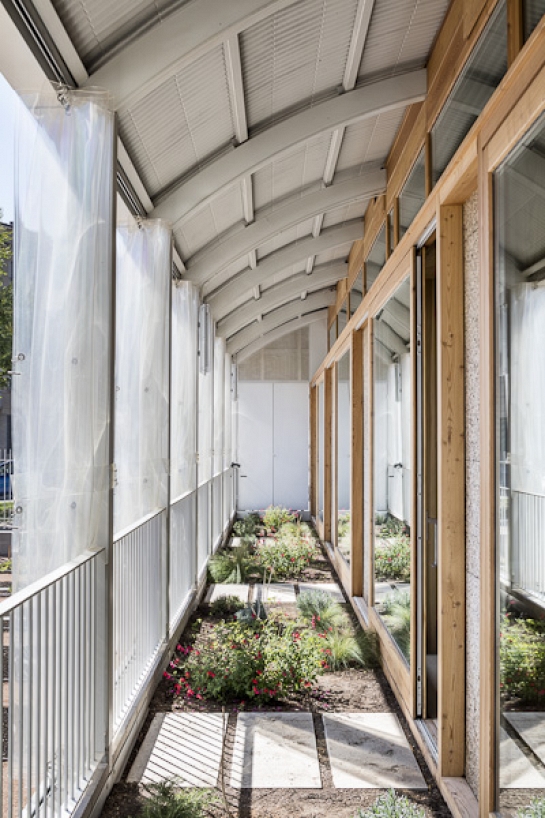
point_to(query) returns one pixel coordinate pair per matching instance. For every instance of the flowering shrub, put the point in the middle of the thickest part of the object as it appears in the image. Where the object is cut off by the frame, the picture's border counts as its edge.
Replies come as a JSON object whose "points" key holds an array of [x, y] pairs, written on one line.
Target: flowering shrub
{"points": [[276, 516], [262, 661], [522, 659], [286, 557], [393, 559]]}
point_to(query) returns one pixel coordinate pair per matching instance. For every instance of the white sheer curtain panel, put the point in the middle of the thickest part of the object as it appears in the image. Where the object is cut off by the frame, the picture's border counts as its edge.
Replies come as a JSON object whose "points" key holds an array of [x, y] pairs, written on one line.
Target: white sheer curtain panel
{"points": [[219, 397], [206, 411], [228, 414], [62, 341], [141, 371], [185, 316]]}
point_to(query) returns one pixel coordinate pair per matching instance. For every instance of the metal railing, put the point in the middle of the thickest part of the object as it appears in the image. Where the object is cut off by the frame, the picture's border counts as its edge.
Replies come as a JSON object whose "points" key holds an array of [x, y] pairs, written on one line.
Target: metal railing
{"points": [[53, 674], [182, 556], [139, 609], [527, 556]]}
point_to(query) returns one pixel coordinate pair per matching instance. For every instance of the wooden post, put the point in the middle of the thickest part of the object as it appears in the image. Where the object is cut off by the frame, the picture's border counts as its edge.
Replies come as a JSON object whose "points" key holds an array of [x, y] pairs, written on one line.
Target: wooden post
{"points": [[356, 463], [328, 454]]}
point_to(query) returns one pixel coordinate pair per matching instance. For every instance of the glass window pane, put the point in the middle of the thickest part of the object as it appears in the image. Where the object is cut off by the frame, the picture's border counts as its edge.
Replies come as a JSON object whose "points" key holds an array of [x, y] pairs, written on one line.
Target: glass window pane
{"points": [[533, 12], [376, 258], [342, 318], [344, 426], [321, 450], [356, 293], [392, 395], [520, 471], [413, 194], [332, 333], [476, 84]]}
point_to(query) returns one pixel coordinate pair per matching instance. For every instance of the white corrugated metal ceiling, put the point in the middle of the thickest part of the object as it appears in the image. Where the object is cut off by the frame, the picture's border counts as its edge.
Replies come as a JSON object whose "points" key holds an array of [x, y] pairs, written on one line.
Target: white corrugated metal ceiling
{"points": [[257, 127]]}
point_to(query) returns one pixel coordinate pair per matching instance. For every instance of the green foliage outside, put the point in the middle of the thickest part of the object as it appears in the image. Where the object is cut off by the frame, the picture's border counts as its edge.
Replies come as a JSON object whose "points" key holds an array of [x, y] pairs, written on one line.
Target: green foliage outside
{"points": [[276, 516], [535, 809], [248, 526], [286, 556], [225, 606], [522, 660], [392, 550], [391, 805], [165, 799], [396, 612], [6, 307]]}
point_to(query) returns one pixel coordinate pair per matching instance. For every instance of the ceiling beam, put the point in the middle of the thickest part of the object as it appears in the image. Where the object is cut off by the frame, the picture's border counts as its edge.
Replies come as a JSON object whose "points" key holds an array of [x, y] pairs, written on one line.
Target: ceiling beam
{"points": [[255, 153], [279, 332], [276, 318], [357, 43], [166, 48], [236, 87], [326, 275], [234, 292], [206, 264]]}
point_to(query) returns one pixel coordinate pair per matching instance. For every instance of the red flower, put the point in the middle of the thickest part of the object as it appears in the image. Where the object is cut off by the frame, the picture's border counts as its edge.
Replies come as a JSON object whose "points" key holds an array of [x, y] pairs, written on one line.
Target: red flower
{"points": [[212, 675]]}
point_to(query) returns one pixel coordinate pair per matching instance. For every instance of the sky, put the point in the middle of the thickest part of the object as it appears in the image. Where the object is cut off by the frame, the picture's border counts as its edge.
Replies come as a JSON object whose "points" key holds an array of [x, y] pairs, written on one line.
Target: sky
{"points": [[7, 116]]}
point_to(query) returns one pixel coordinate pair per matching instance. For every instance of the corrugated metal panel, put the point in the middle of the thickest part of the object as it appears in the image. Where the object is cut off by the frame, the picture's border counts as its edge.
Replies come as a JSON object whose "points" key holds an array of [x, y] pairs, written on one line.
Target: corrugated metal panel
{"points": [[369, 141], [400, 34], [340, 252], [298, 231], [344, 214], [179, 126], [97, 26], [294, 56], [291, 172], [206, 225]]}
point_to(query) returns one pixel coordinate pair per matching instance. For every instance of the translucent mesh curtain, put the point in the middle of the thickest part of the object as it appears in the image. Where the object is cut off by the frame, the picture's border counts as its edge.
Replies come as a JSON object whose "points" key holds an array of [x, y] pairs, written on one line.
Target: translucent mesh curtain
{"points": [[219, 398], [228, 414], [206, 409], [61, 394], [185, 313], [141, 371]]}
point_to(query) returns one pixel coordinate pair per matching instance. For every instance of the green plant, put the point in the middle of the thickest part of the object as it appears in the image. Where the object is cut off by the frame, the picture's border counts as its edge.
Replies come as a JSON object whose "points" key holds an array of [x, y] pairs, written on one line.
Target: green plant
{"points": [[167, 800], [286, 557], [391, 805], [5, 566], [318, 607], [343, 525], [522, 659], [246, 527], [231, 565], [226, 606], [263, 660], [535, 809], [343, 649], [276, 516], [393, 559], [396, 610]]}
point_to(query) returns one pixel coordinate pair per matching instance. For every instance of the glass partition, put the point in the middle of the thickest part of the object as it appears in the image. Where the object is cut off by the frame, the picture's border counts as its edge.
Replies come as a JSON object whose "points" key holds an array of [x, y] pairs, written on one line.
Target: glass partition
{"points": [[392, 446], [520, 469], [344, 438], [376, 259], [321, 450], [333, 332], [356, 293], [413, 194], [342, 317]]}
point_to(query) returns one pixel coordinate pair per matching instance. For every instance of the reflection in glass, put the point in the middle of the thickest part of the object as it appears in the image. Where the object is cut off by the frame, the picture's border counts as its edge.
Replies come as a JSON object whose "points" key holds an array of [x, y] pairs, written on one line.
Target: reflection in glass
{"points": [[413, 194], [376, 259], [342, 317], [392, 445], [344, 427], [333, 332], [356, 293], [321, 450], [520, 497]]}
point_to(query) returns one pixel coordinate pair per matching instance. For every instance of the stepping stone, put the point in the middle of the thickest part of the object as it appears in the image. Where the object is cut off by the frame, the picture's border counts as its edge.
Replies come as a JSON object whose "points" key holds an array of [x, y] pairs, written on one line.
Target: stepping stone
{"points": [[278, 592], [184, 746], [516, 771], [330, 588], [531, 728], [223, 590], [275, 750], [369, 750]]}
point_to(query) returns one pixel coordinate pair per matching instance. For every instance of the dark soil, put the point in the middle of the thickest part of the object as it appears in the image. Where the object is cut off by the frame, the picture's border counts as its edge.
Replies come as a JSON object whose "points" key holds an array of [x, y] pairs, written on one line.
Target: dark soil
{"points": [[349, 690]]}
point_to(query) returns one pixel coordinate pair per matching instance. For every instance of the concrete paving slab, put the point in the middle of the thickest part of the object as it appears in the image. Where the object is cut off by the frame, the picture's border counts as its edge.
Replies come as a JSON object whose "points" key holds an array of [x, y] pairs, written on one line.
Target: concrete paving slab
{"points": [[516, 771], [277, 592], [531, 728], [330, 588], [183, 746], [275, 750], [369, 750], [222, 590]]}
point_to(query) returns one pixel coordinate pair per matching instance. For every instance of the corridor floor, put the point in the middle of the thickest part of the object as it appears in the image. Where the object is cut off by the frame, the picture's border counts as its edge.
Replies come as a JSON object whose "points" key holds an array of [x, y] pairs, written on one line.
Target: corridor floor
{"points": [[331, 756]]}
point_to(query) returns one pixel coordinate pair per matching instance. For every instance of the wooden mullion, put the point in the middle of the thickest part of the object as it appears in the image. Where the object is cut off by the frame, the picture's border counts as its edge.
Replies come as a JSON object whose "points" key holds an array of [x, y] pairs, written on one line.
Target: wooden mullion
{"points": [[356, 463], [515, 30]]}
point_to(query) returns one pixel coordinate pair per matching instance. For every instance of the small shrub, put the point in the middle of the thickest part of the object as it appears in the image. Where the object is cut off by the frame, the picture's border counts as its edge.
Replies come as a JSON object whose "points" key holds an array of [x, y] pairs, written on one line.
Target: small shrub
{"points": [[5, 566], [391, 805], [276, 516], [397, 614], [226, 606], [246, 527], [393, 559], [522, 659], [535, 809], [167, 800], [318, 607], [285, 558], [263, 660], [231, 565], [343, 649], [343, 525]]}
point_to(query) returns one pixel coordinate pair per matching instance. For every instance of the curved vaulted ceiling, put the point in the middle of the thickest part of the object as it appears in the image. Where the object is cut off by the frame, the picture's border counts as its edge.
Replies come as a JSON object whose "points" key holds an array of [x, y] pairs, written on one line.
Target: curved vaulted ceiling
{"points": [[257, 128]]}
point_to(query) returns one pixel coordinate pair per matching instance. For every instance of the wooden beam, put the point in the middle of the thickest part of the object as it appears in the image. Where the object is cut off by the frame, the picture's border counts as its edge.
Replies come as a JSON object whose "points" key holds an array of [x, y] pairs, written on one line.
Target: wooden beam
{"points": [[451, 491], [356, 463], [515, 30], [314, 481]]}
